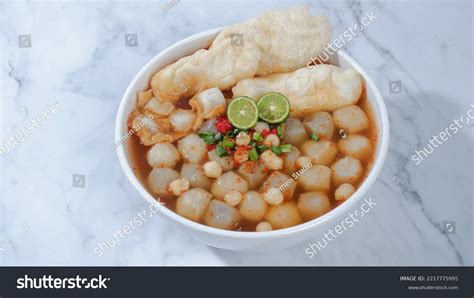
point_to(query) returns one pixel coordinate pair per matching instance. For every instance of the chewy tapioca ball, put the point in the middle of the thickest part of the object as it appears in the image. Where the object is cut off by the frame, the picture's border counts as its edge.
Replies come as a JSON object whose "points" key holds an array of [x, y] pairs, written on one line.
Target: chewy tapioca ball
{"points": [[192, 148], [253, 206], [271, 140], [263, 227], [212, 169], [226, 162], [321, 152], [254, 172], [233, 198], [179, 186], [261, 126], [161, 108], [351, 119], [356, 146], [317, 177], [196, 176], [313, 204], [289, 160], [159, 180], [346, 170], [271, 160], [294, 132], [280, 181], [163, 155], [193, 203], [227, 182], [303, 162], [221, 215], [182, 120], [344, 191], [320, 123], [284, 215]]}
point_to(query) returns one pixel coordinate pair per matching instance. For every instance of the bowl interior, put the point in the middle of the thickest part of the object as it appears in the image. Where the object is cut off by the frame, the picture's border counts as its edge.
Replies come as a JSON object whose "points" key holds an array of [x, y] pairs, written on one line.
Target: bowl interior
{"points": [[202, 40]]}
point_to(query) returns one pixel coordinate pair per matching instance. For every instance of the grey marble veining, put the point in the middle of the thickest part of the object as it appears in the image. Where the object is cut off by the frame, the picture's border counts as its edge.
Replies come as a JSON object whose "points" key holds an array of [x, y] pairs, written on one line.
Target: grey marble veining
{"points": [[76, 57]]}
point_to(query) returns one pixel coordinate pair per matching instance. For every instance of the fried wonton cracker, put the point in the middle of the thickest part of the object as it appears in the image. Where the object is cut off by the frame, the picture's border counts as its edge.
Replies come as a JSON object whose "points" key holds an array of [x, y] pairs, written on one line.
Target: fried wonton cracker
{"points": [[276, 41], [322, 88]]}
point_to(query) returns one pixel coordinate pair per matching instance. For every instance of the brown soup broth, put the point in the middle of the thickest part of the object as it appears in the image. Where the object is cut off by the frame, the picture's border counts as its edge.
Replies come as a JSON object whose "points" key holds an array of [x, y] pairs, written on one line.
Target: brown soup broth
{"points": [[141, 168]]}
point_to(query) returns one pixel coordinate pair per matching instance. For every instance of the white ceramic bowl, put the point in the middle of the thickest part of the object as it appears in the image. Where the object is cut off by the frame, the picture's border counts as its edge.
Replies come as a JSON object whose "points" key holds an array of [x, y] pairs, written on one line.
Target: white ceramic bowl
{"points": [[250, 241]]}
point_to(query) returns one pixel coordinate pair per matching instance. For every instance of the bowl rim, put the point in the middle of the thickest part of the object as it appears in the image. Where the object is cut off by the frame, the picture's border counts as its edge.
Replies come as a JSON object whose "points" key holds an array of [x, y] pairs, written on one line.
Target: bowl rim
{"points": [[121, 118]]}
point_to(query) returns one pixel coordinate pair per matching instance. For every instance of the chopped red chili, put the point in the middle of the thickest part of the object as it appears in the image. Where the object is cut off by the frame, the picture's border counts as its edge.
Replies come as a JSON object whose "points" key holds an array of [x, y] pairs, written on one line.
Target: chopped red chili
{"points": [[223, 125], [245, 147]]}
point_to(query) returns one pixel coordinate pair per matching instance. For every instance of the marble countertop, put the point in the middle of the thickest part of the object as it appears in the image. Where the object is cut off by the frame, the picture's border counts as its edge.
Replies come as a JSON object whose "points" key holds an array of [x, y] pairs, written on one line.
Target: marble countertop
{"points": [[62, 190]]}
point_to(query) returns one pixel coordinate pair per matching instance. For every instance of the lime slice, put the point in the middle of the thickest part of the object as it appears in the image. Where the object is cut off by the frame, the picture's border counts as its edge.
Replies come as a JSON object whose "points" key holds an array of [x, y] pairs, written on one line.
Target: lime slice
{"points": [[242, 112], [273, 107]]}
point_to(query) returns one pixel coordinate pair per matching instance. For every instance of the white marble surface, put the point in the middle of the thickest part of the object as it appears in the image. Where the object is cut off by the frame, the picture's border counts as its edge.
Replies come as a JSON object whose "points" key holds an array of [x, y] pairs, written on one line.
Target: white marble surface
{"points": [[78, 59]]}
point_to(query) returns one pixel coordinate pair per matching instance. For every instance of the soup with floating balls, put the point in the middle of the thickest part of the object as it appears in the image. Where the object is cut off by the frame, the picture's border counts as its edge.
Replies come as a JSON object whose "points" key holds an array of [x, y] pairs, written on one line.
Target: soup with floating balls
{"points": [[255, 148]]}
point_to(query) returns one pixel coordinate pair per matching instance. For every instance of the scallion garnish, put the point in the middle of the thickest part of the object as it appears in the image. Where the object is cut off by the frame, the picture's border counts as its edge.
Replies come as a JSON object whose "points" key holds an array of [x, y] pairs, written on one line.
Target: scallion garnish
{"points": [[276, 150], [205, 134], [220, 151], [261, 148], [253, 155], [285, 148], [227, 143], [208, 137], [314, 137], [257, 136], [280, 130]]}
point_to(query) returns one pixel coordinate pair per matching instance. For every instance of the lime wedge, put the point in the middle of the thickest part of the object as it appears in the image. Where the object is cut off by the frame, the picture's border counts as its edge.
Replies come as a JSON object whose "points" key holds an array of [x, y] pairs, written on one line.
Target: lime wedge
{"points": [[242, 112], [273, 107]]}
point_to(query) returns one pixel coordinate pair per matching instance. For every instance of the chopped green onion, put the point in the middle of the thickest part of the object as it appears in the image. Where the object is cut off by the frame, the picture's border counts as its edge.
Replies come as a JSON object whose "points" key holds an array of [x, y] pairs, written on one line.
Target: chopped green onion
{"points": [[208, 137], [210, 140], [280, 130], [314, 137], [261, 148], [205, 133], [276, 150], [218, 136], [257, 136], [220, 151], [252, 143], [227, 143], [285, 148], [253, 155]]}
